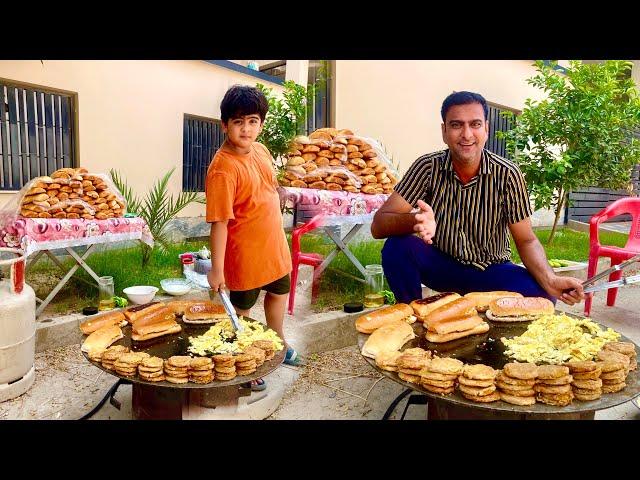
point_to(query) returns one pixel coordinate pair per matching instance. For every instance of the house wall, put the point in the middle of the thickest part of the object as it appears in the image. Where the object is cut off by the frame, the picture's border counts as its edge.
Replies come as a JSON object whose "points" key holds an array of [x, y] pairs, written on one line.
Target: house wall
{"points": [[130, 113], [398, 102]]}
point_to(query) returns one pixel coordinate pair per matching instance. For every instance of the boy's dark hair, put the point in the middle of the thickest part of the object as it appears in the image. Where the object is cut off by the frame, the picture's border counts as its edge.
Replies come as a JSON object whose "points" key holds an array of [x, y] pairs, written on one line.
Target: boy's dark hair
{"points": [[241, 100], [463, 98]]}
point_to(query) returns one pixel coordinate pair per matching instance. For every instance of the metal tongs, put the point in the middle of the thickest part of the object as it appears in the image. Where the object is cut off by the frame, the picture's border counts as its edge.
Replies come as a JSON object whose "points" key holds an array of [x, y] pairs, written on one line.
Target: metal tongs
{"points": [[588, 284], [226, 303]]}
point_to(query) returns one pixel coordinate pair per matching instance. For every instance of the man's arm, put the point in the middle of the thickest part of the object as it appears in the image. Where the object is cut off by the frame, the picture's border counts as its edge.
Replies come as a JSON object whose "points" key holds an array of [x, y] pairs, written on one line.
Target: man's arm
{"points": [[535, 260], [394, 217], [218, 243]]}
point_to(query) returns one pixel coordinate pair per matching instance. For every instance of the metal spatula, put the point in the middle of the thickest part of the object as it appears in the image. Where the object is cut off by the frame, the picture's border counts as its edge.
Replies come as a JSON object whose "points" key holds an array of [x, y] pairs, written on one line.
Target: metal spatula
{"points": [[226, 303]]}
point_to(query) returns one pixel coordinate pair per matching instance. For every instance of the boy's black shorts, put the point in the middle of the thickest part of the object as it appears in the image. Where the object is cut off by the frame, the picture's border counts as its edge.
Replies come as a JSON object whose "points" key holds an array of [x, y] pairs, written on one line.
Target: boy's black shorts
{"points": [[246, 299]]}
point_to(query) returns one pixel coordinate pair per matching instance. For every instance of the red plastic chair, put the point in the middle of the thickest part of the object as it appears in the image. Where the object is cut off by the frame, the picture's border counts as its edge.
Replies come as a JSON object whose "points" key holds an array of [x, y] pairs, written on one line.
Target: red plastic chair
{"points": [[630, 205], [298, 257]]}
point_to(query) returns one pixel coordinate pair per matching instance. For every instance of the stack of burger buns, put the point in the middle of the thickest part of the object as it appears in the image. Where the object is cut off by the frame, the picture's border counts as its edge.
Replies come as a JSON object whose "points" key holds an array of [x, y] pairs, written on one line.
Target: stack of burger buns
{"points": [[151, 369], [553, 385], [477, 383], [388, 360], [615, 367], [586, 383], [112, 354], [411, 362], [441, 374], [201, 370], [332, 159], [176, 369], [72, 193], [456, 319], [127, 363], [516, 383], [625, 348], [519, 309]]}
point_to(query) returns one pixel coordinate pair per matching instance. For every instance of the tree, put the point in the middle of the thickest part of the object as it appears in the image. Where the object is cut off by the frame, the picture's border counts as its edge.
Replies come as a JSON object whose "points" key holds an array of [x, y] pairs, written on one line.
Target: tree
{"points": [[580, 135], [287, 116]]}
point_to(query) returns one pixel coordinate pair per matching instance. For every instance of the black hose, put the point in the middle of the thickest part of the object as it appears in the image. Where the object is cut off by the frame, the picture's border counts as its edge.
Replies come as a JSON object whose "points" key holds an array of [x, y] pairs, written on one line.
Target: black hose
{"points": [[395, 403], [110, 393]]}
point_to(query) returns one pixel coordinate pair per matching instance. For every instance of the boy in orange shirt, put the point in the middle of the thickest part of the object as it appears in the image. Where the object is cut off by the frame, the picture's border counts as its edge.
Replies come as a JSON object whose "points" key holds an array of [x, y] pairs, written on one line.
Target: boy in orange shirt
{"points": [[249, 249]]}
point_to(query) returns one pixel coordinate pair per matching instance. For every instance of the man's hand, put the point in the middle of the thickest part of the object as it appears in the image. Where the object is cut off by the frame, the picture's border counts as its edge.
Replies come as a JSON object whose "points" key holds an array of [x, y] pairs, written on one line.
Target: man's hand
{"points": [[216, 279], [558, 285], [425, 222]]}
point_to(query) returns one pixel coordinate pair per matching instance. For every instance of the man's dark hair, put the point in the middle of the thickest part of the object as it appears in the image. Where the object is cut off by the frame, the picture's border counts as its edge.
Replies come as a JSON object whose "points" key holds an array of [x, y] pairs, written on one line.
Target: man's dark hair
{"points": [[463, 98], [241, 100]]}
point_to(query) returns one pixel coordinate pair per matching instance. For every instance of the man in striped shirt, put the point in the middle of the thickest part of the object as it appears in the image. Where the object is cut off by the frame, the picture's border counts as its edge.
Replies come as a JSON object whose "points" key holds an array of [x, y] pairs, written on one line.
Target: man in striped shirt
{"points": [[469, 199]]}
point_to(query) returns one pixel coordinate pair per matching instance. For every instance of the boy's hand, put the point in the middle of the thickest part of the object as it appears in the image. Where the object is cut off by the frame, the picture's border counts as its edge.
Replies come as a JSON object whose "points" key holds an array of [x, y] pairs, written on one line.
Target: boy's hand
{"points": [[425, 222], [216, 279]]}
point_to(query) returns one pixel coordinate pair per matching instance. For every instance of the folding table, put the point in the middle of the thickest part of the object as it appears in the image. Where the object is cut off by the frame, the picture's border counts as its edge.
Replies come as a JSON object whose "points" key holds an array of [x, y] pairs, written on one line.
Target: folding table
{"points": [[39, 237], [340, 208]]}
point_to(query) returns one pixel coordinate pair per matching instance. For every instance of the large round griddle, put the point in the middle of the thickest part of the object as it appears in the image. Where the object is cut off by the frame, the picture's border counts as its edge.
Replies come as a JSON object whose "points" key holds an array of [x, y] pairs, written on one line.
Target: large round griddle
{"points": [[177, 344], [487, 348]]}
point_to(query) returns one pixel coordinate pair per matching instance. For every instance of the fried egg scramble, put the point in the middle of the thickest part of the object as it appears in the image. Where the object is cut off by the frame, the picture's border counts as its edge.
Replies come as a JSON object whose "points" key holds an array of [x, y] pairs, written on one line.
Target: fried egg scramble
{"points": [[220, 338], [556, 339]]}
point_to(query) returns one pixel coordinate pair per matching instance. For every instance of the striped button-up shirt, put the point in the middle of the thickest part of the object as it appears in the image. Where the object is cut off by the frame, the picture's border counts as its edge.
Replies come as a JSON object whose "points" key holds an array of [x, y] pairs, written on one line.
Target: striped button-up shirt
{"points": [[471, 220]]}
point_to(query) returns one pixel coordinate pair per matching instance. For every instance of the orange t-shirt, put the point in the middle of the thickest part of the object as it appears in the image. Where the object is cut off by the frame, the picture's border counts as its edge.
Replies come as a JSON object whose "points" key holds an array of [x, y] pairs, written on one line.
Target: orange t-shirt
{"points": [[243, 189]]}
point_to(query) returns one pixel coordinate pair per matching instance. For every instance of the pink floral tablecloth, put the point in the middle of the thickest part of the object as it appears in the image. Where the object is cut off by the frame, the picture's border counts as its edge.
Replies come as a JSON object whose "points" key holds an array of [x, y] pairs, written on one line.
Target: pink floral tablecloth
{"points": [[340, 207], [34, 234]]}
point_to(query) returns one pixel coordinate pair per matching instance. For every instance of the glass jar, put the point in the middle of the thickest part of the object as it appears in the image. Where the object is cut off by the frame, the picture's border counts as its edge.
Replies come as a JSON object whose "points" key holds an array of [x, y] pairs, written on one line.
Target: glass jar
{"points": [[374, 285], [105, 293]]}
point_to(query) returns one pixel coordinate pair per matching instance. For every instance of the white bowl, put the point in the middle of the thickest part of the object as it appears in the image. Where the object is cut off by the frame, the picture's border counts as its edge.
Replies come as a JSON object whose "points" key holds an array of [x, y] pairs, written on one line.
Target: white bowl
{"points": [[175, 286], [140, 293]]}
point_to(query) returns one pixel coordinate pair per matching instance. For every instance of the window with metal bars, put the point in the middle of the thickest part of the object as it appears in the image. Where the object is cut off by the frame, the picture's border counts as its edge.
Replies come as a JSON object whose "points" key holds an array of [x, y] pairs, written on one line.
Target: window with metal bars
{"points": [[202, 137], [498, 123], [37, 134]]}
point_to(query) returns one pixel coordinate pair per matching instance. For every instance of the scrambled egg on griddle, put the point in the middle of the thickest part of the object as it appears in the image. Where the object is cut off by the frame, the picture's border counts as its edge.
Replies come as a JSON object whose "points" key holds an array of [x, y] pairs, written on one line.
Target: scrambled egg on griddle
{"points": [[556, 339], [222, 338]]}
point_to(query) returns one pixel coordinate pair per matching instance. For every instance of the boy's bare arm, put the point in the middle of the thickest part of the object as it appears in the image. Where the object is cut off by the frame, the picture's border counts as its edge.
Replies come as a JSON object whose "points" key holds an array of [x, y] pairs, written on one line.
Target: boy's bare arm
{"points": [[218, 244]]}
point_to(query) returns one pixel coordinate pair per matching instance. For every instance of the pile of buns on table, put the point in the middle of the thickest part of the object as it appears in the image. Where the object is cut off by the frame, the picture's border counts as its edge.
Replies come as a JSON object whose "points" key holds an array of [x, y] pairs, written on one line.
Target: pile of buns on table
{"points": [[155, 320], [71, 193], [332, 159], [448, 316]]}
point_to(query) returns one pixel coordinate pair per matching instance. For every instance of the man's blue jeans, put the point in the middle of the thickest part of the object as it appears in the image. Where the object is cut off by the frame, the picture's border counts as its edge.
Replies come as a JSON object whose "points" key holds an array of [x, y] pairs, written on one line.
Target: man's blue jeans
{"points": [[408, 261]]}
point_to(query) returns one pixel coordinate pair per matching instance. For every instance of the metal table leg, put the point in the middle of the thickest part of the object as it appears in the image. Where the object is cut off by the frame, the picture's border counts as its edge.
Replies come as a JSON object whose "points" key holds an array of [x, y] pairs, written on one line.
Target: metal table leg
{"points": [[341, 246], [79, 263]]}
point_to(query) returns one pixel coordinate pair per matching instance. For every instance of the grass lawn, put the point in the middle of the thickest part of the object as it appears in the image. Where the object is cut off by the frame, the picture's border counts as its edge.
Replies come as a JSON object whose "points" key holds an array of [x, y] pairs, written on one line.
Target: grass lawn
{"points": [[335, 288]]}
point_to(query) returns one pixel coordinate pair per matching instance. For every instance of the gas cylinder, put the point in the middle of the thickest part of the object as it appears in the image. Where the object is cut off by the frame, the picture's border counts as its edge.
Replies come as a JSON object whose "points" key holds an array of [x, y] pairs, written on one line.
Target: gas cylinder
{"points": [[17, 327]]}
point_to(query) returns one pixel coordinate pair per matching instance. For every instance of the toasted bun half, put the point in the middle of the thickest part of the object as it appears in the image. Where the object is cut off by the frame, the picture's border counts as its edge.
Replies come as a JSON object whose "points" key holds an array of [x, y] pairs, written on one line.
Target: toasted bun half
{"points": [[373, 320], [447, 337], [389, 338], [461, 307], [99, 321], [483, 299], [139, 338], [99, 340], [512, 309], [425, 306], [455, 325]]}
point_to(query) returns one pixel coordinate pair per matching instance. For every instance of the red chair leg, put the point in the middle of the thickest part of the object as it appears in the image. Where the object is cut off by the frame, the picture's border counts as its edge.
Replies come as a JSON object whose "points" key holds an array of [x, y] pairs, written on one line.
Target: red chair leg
{"points": [[315, 286], [612, 293], [588, 298], [591, 271], [292, 288]]}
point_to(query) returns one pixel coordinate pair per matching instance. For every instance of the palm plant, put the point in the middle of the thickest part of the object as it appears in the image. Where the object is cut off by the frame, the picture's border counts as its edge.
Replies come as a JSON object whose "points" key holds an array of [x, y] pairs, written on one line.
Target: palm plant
{"points": [[157, 208]]}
